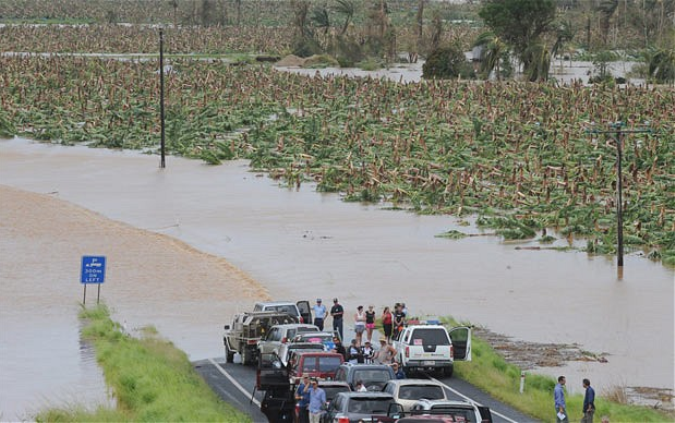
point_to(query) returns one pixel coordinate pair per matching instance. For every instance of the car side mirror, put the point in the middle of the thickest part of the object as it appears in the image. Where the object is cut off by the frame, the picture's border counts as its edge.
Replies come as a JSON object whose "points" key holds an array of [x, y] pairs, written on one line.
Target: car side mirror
{"points": [[226, 327]]}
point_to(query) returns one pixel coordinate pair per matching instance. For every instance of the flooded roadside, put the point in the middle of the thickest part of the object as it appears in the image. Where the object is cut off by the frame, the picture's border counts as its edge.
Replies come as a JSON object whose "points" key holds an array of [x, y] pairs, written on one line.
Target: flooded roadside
{"points": [[302, 244]]}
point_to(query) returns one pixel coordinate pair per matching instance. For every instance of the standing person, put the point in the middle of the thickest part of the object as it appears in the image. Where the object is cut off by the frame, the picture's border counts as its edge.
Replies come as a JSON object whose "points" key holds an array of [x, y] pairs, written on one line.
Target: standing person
{"points": [[337, 312], [398, 371], [370, 323], [319, 314], [359, 324], [368, 353], [355, 355], [317, 401], [559, 399], [386, 353], [339, 348], [387, 323], [302, 396], [589, 402], [398, 321]]}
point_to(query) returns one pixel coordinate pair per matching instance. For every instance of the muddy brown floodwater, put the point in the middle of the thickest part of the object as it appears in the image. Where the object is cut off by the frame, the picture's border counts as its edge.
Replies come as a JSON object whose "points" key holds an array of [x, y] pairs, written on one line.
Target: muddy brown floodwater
{"points": [[167, 234]]}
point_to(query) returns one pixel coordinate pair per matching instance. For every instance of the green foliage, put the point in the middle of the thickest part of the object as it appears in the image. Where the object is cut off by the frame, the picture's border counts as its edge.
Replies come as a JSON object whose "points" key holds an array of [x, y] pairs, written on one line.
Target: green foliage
{"points": [[451, 234], [152, 380], [446, 62]]}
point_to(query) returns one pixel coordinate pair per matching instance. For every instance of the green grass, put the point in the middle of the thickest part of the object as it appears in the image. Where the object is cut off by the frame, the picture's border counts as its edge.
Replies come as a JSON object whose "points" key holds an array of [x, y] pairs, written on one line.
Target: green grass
{"points": [[490, 372], [151, 380]]}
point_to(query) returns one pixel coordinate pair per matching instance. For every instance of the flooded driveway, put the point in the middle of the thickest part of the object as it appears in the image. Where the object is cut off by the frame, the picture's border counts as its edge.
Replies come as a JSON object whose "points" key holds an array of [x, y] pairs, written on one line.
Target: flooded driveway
{"points": [[299, 244]]}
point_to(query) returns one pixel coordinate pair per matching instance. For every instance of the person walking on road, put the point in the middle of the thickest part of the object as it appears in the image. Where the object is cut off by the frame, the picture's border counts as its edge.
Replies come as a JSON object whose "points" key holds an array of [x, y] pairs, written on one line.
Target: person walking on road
{"points": [[317, 401], [559, 399], [589, 402], [370, 323], [387, 323], [302, 396], [319, 314], [337, 312]]}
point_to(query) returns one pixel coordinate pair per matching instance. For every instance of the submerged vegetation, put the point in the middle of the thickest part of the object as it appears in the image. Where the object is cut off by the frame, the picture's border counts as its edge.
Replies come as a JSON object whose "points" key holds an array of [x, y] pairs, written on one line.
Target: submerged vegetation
{"points": [[518, 150], [150, 379]]}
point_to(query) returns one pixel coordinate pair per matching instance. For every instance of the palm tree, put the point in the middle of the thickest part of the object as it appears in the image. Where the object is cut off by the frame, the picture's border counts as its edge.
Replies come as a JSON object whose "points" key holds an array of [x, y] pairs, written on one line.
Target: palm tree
{"points": [[347, 9], [662, 65], [493, 49]]}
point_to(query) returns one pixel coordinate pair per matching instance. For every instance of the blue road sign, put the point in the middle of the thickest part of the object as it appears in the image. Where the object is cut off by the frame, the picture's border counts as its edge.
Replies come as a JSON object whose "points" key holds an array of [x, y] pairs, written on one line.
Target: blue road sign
{"points": [[93, 269]]}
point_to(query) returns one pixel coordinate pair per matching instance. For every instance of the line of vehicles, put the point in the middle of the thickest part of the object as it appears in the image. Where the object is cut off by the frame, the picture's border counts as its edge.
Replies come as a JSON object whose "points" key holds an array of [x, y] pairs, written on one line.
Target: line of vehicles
{"points": [[280, 340]]}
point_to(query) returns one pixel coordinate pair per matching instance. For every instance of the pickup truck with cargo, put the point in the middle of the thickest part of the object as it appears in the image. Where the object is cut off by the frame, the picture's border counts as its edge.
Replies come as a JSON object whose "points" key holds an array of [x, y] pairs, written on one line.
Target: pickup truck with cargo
{"points": [[247, 329]]}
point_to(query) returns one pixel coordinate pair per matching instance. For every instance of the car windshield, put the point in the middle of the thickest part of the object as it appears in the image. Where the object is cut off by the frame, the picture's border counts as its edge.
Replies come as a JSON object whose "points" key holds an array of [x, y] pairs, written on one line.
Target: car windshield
{"points": [[415, 392], [320, 364], [372, 376], [288, 309], [369, 405], [430, 337], [332, 391]]}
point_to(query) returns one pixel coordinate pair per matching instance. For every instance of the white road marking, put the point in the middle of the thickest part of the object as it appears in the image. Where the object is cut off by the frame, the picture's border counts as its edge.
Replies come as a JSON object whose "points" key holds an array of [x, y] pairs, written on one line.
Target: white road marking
{"points": [[456, 392], [234, 382]]}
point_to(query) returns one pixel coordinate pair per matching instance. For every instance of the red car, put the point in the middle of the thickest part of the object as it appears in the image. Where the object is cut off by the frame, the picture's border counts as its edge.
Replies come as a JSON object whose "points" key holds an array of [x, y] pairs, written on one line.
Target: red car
{"points": [[315, 364]]}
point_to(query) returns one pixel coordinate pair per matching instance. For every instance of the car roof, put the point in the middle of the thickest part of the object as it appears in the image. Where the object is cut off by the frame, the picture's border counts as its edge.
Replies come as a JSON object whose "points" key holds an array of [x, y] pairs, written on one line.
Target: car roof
{"points": [[453, 403], [369, 394], [317, 334], [317, 353], [302, 346], [366, 366], [295, 325], [335, 383], [265, 303], [424, 382]]}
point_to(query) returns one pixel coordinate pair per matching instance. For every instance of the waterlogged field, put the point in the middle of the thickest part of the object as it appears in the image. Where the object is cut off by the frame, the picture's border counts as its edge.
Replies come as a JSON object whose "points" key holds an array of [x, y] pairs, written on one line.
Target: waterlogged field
{"points": [[523, 157]]}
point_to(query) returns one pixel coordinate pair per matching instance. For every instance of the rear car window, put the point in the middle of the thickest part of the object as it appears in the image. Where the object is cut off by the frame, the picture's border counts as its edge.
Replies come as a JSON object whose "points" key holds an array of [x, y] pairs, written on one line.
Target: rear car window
{"points": [[369, 405], [418, 392], [459, 414], [430, 337], [371, 375], [332, 391], [320, 364]]}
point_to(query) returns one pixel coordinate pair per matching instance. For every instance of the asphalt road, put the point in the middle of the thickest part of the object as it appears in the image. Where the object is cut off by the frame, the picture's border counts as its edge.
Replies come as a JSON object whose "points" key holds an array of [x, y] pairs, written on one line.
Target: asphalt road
{"points": [[235, 383]]}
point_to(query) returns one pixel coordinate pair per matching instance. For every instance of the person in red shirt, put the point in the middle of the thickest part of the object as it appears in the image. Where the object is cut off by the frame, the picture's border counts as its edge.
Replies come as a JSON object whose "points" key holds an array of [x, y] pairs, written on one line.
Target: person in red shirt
{"points": [[387, 323]]}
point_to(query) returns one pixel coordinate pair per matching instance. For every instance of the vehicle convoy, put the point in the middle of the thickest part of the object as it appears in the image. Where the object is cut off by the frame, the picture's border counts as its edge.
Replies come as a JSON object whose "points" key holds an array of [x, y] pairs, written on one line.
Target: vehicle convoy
{"points": [[247, 329], [432, 348]]}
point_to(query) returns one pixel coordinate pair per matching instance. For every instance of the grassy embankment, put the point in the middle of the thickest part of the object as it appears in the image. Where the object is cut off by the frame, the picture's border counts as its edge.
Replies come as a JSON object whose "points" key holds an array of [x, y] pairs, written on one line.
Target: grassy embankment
{"points": [[489, 371], [151, 380]]}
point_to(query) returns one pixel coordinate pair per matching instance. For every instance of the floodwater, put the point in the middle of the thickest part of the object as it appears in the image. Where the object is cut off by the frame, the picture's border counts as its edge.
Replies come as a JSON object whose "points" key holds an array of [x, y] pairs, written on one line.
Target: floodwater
{"points": [[299, 244]]}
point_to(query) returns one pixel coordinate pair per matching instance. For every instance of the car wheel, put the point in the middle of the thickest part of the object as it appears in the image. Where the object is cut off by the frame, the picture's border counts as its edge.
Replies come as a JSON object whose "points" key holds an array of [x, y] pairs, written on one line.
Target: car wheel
{"points": [[229, 355], [448, 371]]}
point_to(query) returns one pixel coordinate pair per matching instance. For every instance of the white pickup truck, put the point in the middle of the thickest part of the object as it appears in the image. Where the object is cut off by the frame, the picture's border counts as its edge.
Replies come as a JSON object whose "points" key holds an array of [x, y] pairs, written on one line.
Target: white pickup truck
{"points": [[432, 348]]}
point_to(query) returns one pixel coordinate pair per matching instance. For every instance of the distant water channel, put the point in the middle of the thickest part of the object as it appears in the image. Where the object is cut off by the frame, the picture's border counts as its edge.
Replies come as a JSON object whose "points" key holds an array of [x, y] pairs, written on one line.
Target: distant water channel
{"points": [[301, 244]]}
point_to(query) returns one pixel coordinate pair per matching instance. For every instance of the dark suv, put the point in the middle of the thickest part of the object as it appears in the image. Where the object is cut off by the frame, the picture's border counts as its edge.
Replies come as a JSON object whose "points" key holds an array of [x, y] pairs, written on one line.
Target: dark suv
{"points": [[373, 376], [355, 407]]}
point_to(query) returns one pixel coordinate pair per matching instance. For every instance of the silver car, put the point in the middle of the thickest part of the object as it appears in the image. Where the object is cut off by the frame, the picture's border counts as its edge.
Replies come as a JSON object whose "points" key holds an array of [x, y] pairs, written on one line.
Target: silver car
{"points": [[280, 334]]}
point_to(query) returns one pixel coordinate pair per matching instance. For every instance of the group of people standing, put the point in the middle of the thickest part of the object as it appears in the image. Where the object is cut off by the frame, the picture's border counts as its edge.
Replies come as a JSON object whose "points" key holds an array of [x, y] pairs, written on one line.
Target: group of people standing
{"points": [[364, 321]]}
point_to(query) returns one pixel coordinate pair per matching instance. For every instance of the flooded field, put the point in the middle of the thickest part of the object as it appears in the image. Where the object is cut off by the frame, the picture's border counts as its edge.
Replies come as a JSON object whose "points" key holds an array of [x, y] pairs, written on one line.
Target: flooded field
{"points": [[293, 244]]}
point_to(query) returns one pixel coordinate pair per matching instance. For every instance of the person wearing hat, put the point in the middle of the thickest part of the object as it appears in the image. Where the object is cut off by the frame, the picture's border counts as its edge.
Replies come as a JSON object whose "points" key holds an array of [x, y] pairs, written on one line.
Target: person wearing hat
{"points": [[386, 353], [337, 312], [319, 314]]}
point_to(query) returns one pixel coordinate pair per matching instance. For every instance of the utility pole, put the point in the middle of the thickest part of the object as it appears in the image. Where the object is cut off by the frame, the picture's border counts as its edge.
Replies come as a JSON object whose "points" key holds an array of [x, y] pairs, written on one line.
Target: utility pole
{"points": [[618, 134], [162, 162]]}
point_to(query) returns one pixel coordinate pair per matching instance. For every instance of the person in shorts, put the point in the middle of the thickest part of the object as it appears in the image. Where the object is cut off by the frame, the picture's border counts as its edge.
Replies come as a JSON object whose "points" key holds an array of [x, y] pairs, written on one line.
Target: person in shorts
{"points": [[359, 324], [370, 323]]}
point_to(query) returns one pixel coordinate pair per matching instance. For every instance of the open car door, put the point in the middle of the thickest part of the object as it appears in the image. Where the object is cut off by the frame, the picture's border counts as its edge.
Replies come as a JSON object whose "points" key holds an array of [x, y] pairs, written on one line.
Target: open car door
{"points": [[305, 311], [461, 342], [485, 414]]}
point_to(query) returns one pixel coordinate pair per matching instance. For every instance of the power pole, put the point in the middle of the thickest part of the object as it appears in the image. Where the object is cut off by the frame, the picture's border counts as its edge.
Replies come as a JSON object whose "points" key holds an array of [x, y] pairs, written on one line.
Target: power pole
{"points": [[162, 162], [618, 133]]}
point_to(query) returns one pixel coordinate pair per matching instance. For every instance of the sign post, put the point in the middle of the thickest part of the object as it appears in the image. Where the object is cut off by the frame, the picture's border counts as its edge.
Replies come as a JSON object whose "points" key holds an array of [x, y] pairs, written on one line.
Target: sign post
{"points": [[93, 271]]}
